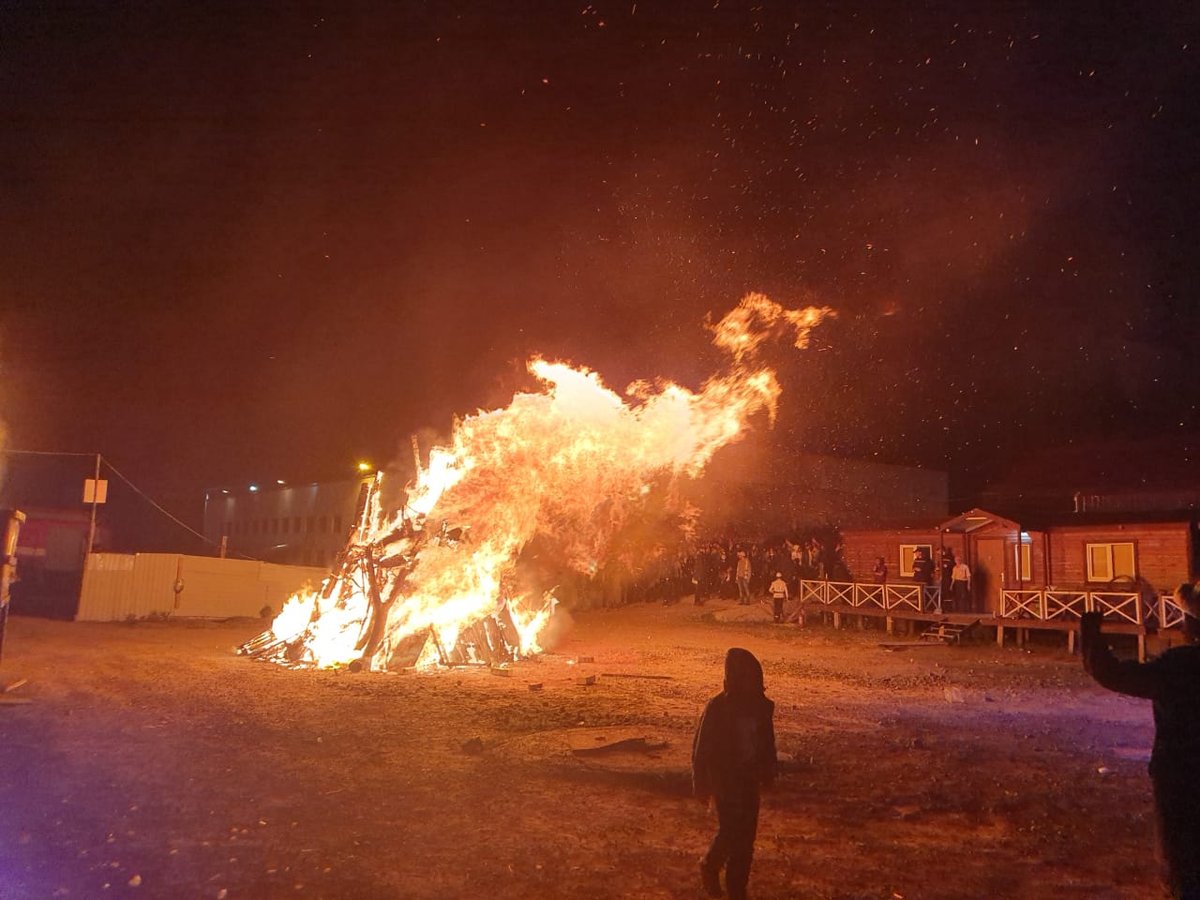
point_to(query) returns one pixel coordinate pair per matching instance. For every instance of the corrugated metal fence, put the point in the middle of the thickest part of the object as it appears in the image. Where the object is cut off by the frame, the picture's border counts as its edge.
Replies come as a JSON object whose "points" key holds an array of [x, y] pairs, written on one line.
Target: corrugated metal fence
{"points": [[117, 586]]}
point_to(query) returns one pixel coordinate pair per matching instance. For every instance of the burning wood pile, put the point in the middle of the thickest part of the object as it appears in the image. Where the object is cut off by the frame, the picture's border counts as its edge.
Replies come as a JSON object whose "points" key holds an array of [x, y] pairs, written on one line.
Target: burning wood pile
{"points": [[377, 568], [568, 468]]}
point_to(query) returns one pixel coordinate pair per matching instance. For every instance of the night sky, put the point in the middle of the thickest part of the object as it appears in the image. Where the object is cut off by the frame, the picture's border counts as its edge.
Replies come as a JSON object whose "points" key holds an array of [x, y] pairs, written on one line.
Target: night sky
{"points": [[267, 240]]}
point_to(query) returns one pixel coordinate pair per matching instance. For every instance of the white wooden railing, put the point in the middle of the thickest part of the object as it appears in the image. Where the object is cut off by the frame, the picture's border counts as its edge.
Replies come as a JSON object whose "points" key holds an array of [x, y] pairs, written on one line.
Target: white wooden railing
{"points": [[915, 597], [1048, 604], [1042, 604]]}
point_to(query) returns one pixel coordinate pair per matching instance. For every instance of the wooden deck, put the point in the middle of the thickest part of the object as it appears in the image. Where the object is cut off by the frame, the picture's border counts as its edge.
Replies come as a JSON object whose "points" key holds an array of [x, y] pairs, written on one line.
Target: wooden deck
{"points": [[1026, 610]]}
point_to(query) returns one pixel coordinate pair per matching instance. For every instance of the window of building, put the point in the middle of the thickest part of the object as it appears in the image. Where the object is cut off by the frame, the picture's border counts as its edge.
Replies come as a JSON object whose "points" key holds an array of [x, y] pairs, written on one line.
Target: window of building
{"points": [[1108, 561], [907, 552], [1023, 560]]}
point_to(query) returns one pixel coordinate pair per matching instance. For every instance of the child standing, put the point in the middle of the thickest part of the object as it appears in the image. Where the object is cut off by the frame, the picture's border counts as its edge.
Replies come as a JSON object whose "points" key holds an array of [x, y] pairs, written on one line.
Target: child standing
{"points": [[733, 755], [779, 595]]}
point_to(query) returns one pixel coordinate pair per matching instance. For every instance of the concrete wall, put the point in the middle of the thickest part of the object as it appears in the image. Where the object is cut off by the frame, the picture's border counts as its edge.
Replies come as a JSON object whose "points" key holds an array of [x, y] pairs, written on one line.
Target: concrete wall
{"points": [[117, 586], [303, 524], [759, 497]]}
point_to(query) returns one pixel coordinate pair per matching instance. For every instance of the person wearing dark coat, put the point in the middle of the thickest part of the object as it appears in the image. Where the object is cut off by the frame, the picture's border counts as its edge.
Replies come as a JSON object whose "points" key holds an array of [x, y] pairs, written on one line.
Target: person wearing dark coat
{"points": [[922, 567], [922, 572], [733, 756], [945, 575], [880, 571], [1172, 682]]}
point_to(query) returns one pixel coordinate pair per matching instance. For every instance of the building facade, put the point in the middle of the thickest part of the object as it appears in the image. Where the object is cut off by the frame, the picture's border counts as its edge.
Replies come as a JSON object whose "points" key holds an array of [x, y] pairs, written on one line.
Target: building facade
{"points": [[1085, 552], [303, 525]]}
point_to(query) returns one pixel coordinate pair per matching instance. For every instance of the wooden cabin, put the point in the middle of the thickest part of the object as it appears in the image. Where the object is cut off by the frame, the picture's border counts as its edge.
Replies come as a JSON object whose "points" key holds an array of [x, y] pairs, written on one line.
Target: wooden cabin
{"points": [[1074, 554]]}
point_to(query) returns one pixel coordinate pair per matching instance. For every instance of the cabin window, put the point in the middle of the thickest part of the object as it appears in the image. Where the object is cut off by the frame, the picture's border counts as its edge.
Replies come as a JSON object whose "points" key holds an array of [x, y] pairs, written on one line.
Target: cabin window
{"points": [[907, 552], [1022, 561], [1108, 561]]}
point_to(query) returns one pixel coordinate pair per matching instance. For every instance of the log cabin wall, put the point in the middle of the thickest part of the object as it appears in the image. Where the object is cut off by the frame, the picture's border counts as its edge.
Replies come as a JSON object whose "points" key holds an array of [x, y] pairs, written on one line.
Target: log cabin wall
{"points": [[1162, 552], [861, 548]]}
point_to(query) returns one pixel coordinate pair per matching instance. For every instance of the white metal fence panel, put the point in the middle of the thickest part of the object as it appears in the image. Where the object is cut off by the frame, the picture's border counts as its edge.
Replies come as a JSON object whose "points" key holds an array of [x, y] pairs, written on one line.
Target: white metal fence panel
{"points": [[118, 586]]}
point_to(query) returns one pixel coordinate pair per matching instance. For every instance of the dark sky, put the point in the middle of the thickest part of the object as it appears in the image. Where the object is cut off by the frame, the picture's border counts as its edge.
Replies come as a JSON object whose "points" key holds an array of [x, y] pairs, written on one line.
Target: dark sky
{"points": [[266, 240]]}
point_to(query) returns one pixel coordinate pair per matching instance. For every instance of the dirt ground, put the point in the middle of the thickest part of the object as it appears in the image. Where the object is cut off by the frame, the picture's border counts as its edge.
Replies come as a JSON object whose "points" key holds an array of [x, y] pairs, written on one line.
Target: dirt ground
{"points": [[154, 762]]}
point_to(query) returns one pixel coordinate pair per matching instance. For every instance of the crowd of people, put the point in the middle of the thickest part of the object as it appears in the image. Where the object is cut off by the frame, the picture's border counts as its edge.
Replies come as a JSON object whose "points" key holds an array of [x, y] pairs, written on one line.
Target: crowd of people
{"points": [[739, 570], [744, 571], [952, 575]]}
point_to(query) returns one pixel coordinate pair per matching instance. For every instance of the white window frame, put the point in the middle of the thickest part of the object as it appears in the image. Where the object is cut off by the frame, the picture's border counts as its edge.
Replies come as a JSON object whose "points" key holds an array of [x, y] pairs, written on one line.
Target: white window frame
{"points": [[912, 552], [1107, 547], [1023, 560]]}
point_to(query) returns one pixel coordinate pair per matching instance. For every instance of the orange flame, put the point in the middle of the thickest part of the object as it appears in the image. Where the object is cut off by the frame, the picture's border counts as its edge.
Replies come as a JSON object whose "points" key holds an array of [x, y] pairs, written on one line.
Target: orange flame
{"points": [[570, 464]]}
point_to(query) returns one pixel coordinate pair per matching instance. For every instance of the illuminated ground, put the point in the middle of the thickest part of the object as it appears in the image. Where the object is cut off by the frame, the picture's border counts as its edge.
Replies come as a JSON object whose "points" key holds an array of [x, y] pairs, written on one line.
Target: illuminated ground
{"points": [[152, 751]]}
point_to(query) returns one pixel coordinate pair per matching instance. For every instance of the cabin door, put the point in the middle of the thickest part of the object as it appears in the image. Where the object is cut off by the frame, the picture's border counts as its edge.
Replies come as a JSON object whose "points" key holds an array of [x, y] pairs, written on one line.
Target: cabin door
{"points": [[987, 575]]}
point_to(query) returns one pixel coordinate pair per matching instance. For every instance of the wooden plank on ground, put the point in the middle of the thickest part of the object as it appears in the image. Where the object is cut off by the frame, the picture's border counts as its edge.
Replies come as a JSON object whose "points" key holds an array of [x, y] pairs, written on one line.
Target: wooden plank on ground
{"points": [[911, 645], [589, 742]]}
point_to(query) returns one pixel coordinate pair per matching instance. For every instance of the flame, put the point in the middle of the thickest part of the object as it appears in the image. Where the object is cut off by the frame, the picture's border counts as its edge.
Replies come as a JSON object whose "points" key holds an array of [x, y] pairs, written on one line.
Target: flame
{"points": [[569, 465]]}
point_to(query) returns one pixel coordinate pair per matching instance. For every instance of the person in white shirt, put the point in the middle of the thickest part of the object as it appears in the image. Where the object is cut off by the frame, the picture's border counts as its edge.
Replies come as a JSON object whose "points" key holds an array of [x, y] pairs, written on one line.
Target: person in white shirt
{"points": [[779, 593], [960, 585]]}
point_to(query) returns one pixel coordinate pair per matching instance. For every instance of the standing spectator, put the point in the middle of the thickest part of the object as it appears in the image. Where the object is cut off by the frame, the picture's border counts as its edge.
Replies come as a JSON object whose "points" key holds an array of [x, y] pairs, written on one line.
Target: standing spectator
{"points": [[743, 578], [945, 573], [705, 574], [922, 567], [960, 586], [797, 560], [733, 756], [779, 595], [1172, 682], [880, 572], [922, 572]]}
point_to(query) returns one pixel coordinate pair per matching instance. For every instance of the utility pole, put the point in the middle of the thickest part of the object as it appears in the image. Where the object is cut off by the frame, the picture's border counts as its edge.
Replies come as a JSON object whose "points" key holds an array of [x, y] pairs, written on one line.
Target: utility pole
{"points": [[95, 498]]}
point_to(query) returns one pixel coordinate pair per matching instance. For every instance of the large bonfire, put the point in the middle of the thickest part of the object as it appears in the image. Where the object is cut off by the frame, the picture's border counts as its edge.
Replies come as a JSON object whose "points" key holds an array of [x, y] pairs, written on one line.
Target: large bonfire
{"points": [[436, 582]]}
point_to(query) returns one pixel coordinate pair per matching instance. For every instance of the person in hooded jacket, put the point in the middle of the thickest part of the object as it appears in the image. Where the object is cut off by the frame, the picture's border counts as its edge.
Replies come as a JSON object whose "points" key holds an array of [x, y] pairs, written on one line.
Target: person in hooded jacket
{"points": [[733, 756], [1172, 681]]}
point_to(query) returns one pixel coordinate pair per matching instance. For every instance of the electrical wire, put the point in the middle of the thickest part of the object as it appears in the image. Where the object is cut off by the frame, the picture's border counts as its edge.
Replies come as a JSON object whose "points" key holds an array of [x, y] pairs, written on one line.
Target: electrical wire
{"points": [[105, 461]]}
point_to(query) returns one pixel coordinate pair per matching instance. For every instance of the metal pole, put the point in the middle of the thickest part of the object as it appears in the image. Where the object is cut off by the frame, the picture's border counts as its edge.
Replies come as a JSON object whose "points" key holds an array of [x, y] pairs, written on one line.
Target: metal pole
{"points": [[95, 497], [8, 566]]}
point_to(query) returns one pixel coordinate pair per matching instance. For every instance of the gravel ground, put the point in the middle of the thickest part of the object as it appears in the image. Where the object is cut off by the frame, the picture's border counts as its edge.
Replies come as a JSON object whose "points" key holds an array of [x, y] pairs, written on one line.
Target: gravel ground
{"points": [[154, 762]]}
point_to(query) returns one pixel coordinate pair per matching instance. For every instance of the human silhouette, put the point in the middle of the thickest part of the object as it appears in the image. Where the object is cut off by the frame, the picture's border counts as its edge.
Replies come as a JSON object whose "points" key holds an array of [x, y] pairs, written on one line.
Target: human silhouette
{"points": [[733, 756], [1172, 682]]}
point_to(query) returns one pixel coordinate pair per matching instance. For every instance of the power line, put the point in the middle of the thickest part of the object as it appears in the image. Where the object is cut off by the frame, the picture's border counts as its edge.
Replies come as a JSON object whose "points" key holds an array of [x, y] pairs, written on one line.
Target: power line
{"points": [[178, 521], [49, 453], [158, 506]]}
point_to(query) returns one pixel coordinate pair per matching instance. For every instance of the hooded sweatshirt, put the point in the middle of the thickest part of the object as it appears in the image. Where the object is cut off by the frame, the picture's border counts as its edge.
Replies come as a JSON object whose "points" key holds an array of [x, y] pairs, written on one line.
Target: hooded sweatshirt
{"points": [[734, 749]]}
